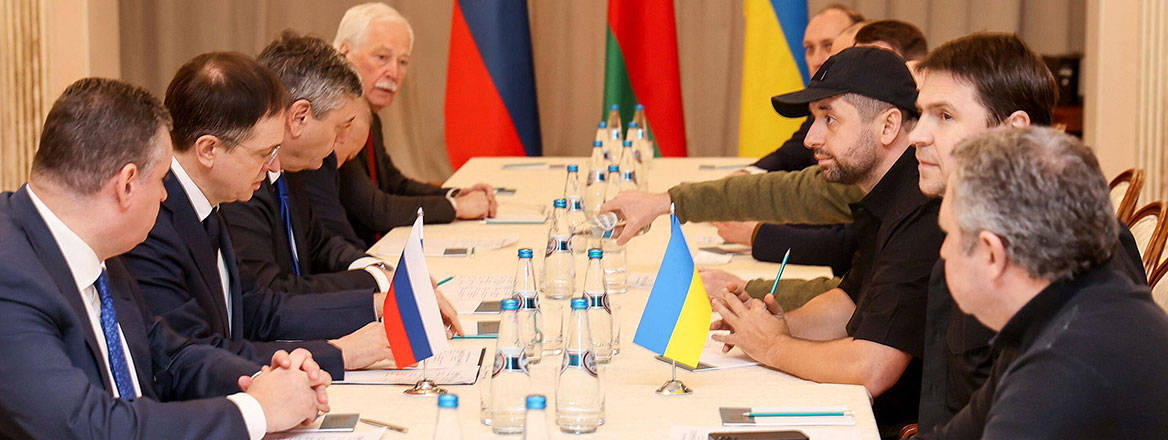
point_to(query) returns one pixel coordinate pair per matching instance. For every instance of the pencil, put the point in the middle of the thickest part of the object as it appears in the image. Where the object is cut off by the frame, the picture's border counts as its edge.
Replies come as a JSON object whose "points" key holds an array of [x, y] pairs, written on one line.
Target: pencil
{"points": [[780, 275], [444, 281], [385, 425]]}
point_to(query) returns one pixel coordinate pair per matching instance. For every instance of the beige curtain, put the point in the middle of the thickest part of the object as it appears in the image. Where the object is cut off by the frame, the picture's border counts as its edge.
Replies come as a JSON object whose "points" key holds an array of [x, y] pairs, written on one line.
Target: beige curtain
{"points": [[23, 81], [568, 46]]}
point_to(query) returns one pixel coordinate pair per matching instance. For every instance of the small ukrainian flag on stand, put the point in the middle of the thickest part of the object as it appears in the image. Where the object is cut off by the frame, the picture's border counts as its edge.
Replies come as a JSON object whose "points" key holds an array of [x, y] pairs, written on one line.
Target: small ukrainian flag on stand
{"points": [[676, 320]]}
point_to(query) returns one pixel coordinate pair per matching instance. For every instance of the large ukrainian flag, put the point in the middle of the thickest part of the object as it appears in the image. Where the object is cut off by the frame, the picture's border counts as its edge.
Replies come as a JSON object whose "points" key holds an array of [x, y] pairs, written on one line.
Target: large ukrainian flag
{"points": [[772, 64], [676, 320]]}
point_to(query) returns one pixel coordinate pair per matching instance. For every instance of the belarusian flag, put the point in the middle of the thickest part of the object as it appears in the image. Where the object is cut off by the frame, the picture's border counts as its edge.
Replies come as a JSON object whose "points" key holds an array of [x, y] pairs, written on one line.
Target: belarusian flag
{"points": [[641, 67]]}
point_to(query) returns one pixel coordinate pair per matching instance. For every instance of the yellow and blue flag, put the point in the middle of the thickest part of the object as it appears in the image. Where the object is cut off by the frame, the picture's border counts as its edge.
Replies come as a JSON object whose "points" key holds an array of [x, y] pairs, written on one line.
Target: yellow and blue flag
{"points": [[676, 320], [772, 64]]}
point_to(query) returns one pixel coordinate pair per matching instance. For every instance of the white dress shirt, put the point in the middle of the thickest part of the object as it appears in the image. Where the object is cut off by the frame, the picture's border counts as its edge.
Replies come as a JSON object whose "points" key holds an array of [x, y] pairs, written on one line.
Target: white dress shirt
{"points": [[202, 211], [86, 268]]}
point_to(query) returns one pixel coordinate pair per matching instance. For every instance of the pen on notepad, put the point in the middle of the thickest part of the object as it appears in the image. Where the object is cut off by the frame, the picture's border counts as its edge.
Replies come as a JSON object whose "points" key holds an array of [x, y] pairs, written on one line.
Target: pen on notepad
{"points": [[476, 336], [798, 414], [444, 281], [780, 275], [381, 424]]}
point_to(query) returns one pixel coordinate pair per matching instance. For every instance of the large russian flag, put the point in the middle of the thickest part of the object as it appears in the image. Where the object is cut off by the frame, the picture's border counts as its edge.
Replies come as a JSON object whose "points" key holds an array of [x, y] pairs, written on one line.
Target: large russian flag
{"points": [[772, 64], [491, 108], [413, 323], [676, 320], [641, 67]]}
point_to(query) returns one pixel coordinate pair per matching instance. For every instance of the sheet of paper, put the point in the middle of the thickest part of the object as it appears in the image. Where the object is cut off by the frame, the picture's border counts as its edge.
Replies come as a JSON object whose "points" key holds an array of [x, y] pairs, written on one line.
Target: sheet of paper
{"points": [[465, 292], [679, 432], [455, 357], [440, 376], [371, 434], [390, 249], [641, 280], [713, 356], [516, 212], [704, 258]]}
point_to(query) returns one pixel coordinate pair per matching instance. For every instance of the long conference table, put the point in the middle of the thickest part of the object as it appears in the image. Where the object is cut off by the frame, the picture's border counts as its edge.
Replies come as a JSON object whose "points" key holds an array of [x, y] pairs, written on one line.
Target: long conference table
{"points": [[632, 409]]}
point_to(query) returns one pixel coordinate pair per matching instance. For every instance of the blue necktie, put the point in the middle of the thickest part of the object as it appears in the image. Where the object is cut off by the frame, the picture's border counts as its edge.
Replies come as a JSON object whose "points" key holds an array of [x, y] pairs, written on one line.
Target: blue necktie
{"points": [[286, 215], [113, 341]]}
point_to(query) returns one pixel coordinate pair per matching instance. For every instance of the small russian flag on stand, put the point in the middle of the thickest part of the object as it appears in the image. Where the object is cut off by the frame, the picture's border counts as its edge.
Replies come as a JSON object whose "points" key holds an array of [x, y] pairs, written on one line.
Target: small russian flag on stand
{"points": [[413, 323]]}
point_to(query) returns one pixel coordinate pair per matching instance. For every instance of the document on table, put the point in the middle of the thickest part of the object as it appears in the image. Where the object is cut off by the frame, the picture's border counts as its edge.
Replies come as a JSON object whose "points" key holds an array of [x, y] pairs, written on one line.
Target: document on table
{"points": [[678, 432], [515, 212], [707, 258], [641, 280], [712, 357], [372, 434], [390, 249], [456, 366], [465, 292]]}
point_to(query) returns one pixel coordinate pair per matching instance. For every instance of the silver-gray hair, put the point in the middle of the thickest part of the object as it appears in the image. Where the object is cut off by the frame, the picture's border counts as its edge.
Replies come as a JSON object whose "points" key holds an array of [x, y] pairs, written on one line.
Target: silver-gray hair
{"points": [[312, 70], [355, 23], [1041, 191]]}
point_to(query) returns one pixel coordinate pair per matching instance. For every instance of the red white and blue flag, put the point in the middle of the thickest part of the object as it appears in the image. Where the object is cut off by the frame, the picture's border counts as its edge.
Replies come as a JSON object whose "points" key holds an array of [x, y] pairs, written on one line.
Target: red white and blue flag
{"points": [[491, 108], [412, 320]]}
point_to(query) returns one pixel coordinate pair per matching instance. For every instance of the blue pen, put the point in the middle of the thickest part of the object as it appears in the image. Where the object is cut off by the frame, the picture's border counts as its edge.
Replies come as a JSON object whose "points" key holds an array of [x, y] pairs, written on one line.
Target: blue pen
{"points": [[798, 414], [781, 267]]}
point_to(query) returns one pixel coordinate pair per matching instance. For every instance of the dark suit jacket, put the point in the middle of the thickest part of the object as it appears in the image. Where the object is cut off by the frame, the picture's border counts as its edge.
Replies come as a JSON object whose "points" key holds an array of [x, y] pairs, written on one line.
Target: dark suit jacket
{"points": [[178, 272], [265, 260], [375, 208], [323, 188], [54, 383], [792, 155]]}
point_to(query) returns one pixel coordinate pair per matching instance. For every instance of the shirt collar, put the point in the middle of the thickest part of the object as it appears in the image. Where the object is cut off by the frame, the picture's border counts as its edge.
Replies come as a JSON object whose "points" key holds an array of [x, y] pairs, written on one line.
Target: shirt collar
{"points": [[273, 176], [1024, 326], [887, 198], [199, 200], [81, 259]]}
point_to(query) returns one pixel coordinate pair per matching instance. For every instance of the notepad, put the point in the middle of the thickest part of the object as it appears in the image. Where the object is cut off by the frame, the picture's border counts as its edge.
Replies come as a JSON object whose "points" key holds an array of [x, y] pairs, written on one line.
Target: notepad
{"points": [[737, 416]]}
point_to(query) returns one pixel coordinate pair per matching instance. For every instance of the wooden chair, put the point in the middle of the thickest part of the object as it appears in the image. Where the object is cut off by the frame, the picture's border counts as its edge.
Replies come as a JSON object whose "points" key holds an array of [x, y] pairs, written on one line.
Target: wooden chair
{"points": [[1149, 226], [1125, 192], [1159, 289]]}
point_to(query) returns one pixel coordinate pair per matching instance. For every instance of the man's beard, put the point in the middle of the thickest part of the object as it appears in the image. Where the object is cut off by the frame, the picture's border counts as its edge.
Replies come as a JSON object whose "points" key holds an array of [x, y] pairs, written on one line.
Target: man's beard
{"points": [[862, 159]]}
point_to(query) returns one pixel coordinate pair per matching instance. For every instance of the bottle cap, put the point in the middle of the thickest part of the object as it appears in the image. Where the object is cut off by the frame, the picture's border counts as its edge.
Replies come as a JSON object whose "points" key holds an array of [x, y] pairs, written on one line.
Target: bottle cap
{"points": [[614, 168], [536, 401], [573, 168], [595, 253], [628, 143], [602, 124], [614, 107], [560, 203], [633, 124], [579, 304], [640, 107], [597, 144], [510, 304], [448, 401], [525, 253]]}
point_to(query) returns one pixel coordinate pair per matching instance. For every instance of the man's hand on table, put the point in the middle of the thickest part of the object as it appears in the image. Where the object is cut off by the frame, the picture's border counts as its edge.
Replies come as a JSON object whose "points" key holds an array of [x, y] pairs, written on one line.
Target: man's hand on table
{"points": [[638, 209], [488, 191], [363, 347], [449, 314], [736, 232], [754, 326], [716, 281], [292, 390]]}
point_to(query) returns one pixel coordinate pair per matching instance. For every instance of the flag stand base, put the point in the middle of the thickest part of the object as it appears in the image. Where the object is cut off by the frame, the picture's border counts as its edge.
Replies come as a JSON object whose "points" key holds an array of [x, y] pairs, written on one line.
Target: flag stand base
{"points": [[425, 387], [674, 387]]}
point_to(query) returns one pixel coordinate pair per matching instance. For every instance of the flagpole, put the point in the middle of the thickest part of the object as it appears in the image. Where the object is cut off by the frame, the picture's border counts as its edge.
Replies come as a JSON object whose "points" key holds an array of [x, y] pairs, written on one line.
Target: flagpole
{"points": [[425, 386], [674, 387]]}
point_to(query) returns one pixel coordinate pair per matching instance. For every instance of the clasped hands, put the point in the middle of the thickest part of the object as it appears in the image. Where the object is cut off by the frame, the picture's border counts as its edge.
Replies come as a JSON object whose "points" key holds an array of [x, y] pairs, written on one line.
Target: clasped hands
{"points": [[292, 390], [476, 202], [755, 326]]}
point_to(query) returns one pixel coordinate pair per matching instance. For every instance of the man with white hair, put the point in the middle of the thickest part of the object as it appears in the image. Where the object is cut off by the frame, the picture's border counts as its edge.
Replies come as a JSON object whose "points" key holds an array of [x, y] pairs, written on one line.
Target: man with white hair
{"points": [[378, 40]]}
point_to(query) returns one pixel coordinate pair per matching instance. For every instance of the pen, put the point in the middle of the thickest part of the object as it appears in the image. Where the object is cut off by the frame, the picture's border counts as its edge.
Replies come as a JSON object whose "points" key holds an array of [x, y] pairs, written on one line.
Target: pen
{"points": [[381, 424], [444, 281], [476, 336], [798, 414], [780, 275]]}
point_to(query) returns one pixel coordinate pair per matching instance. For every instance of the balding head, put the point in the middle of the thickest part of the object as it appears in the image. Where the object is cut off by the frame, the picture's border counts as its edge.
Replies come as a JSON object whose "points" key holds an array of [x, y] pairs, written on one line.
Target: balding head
{"points": [[821, 32]]}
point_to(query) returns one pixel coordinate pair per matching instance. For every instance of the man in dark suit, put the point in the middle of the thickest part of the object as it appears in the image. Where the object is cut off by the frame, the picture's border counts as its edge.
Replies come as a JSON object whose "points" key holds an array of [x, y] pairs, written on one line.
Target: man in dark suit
{"points": [[379, 40], [82, 357], [187, 267], [280, 242]]}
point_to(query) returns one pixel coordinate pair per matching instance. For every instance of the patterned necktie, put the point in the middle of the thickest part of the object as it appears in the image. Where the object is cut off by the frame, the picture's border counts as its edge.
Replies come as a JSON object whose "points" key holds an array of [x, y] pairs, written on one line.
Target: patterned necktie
{"points": [[113, 341], [286, 215]]}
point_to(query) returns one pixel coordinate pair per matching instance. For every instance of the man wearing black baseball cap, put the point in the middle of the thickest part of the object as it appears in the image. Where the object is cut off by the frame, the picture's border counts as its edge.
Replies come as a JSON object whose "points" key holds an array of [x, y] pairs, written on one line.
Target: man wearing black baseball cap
{"points": [[869, 330]]}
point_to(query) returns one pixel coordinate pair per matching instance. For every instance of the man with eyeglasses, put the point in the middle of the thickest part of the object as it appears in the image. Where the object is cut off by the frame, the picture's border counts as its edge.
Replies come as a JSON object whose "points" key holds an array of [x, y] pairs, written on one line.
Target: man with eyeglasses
{"points": [[187, 266]]}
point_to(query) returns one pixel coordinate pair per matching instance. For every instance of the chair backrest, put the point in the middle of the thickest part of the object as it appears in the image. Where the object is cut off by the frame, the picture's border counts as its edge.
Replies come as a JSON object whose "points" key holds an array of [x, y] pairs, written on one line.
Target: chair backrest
{"points": [[1149, 226], [1159, 286], [1125, 192]]}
